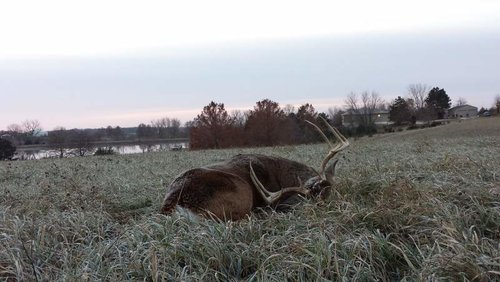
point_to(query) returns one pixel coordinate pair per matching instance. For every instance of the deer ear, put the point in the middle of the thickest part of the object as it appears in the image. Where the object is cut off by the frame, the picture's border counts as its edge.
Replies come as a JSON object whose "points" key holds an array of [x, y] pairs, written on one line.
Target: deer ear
{"points": [[330, 171]]}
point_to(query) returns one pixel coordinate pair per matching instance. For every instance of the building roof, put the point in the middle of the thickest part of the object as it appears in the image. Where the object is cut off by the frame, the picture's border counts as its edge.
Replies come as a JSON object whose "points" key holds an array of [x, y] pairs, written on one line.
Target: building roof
{"points": [[376, 112], [462, 106]]}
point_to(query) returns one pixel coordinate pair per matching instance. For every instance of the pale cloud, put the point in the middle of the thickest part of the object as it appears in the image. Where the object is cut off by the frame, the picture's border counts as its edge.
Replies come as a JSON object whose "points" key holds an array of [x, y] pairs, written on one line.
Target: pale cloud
{"points": [[113, 27], [99, 63]]}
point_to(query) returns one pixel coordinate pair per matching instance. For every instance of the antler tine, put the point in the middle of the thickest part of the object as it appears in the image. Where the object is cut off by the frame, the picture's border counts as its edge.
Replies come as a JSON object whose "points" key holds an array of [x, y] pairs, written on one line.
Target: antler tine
{"points": [[271, 197], [334, 149], [322, 134]]}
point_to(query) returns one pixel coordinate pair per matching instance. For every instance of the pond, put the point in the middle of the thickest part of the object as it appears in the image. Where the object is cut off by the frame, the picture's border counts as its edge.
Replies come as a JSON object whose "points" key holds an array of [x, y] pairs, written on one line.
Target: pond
{"points": [[45, 153]]}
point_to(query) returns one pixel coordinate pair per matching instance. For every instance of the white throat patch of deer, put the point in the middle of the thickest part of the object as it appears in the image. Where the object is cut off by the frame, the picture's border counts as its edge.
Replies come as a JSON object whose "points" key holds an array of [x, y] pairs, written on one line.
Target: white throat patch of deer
{"points": [[232, 189]]}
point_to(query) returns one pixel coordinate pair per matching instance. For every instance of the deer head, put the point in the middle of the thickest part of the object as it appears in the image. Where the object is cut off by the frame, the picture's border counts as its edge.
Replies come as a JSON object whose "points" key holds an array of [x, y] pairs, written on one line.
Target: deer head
{"points": [[232, 189], [315, 186]]}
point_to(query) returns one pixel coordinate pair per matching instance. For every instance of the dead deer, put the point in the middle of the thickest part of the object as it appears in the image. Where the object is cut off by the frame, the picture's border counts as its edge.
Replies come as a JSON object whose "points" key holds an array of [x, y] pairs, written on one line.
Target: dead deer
{"points": [[232, 189]]}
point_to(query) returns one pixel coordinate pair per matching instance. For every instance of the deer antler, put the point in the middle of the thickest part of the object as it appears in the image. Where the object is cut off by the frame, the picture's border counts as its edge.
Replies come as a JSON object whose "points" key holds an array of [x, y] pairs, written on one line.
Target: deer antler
{"points": [[334, 149], [271, 197]]}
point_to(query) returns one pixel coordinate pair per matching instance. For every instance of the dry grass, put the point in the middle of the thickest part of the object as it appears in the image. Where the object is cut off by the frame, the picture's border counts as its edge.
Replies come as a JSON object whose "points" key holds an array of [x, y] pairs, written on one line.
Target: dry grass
{"points": [[415, 205]]}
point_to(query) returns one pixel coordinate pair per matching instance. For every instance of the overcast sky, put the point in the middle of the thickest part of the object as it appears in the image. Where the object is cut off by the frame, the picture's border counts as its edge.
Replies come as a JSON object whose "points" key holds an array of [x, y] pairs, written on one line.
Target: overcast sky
{"points": [[100, 63]]}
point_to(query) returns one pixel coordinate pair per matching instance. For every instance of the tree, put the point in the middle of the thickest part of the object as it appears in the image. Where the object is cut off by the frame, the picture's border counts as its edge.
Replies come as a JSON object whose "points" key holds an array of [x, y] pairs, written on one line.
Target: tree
{"points": [[210, 128], [239, 118], [166, 127], [174, 129], [145, 131], [7, 149], [16, 133], [114, 133], [15, 128], [81, 142], [361, 111], [418, 92], [399, 111], [364, 107], [438, 102], [336, 116], [58, 140], [267, 125], [32, 127], [307, 133], [497, 103], [460, 102]]}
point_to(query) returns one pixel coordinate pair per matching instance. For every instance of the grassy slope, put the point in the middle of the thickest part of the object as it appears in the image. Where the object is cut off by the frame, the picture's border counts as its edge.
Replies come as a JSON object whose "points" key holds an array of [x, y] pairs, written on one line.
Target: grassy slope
{"points": [[416, 204]]}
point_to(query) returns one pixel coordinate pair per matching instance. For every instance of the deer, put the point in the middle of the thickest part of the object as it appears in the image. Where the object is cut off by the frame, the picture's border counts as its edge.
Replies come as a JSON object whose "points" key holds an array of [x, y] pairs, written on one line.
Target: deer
{"points": [[233, 189]]}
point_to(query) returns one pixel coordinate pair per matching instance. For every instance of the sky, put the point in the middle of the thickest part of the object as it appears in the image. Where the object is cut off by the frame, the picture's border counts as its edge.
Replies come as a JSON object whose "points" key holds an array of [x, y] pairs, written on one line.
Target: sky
{"points": [[99, 63]]}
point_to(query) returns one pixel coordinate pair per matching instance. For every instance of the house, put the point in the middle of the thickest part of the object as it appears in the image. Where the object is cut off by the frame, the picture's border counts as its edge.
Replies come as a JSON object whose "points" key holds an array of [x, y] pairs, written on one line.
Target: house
{"points": [[353, 119], [463, 111]]}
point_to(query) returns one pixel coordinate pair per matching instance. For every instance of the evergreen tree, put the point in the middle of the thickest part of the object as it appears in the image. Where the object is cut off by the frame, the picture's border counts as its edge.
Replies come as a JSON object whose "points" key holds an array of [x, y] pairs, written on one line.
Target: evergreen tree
{"points": [[7, 149], [400, 111], [438, 102]]}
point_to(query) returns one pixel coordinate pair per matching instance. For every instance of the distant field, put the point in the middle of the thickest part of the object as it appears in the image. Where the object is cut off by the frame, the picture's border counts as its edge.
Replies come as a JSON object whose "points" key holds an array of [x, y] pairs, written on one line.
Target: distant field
{"points": [[414, 205]]}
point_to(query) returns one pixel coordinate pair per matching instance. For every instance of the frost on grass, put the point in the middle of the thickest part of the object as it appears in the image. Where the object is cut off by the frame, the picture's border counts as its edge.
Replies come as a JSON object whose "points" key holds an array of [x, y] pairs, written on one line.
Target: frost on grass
{"points": [[413, 205]]}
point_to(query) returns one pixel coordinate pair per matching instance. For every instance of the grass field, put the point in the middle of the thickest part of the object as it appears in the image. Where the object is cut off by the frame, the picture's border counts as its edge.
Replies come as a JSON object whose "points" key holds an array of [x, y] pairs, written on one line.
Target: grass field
{"points": [[412, 205]]}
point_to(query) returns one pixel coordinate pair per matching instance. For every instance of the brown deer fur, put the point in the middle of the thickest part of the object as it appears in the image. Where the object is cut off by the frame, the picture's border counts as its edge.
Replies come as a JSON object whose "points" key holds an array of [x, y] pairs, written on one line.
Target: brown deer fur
{"points": [[226, 191], [232, 189]]}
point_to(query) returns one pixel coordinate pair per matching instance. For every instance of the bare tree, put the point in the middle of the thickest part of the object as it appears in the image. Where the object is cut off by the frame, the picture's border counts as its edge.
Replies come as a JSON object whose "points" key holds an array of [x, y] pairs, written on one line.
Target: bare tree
{"points": [[460, 102], [174, 129], [336, 116], [32, 127], [365, 106], [160, 126], [289, 109], [166, 127], [497, 103], [58, 140], [239, 118], [15, 128], [16, 132], [81, 141], [418, 93]]}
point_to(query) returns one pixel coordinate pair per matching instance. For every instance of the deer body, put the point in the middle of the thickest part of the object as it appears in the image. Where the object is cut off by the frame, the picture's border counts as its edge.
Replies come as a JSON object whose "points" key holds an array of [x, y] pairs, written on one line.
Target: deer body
{"points": [[226, 190], [232, 189]]}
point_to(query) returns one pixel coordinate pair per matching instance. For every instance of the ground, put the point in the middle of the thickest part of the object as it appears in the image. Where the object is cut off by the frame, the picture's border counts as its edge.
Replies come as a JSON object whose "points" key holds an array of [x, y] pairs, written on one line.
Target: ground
{"points": [[416, 205]]}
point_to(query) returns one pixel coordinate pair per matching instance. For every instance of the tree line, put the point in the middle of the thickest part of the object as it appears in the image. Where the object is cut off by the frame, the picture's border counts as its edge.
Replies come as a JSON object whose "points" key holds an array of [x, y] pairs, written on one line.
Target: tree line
{"points": [[266, 124]]}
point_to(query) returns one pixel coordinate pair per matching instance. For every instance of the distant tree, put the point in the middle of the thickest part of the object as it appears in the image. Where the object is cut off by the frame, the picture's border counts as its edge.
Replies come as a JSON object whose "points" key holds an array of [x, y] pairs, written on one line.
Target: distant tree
{"points": [[497, 103], [145, 131], [15, 128], [166, 127], [58, 140], [364, 107], [361, 111], [16, 132], [81, 142], [307, 112], [114, 133], [400, 111], [32, 127], [267, 125], [7, 149], [460, 102], [174, 128], [438, 102], [239, 118], [289, 109], [211, 127], [336, 116], [160, 127], [417, 92]]}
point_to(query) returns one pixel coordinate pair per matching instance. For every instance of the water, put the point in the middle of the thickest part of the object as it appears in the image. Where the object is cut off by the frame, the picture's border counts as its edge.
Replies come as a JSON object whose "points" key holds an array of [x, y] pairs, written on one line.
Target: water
{"points": [[36, 154]]}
